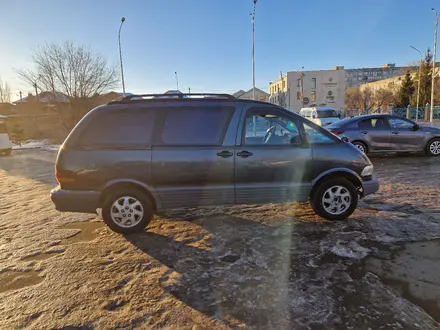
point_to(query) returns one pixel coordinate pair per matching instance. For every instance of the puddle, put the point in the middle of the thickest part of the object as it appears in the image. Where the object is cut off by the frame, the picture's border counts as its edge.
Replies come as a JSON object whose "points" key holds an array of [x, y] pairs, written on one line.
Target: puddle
{"points": [[17, 280], [87, 233], [41, 256]]}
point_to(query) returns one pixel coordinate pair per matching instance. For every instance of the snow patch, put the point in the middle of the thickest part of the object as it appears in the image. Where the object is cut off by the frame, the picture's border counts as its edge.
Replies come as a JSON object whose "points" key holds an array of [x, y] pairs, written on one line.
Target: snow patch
{"points": [[37, 144]]}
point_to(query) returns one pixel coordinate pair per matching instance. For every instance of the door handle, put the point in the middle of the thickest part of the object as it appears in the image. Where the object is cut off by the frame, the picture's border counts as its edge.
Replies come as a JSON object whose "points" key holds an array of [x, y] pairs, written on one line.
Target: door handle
{"points": [[364, 132], [244, 154], [225, 154], [394, 132]]}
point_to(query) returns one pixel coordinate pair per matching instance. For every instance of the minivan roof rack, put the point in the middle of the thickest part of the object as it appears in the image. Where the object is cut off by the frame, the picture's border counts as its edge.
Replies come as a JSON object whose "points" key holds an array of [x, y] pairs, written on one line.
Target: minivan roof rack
{"points": [[137, 97]]}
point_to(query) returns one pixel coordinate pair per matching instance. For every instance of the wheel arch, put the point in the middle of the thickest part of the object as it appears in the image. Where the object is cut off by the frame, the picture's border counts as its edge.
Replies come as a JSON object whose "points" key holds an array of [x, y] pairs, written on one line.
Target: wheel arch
{"points": [[346, 173], [429, 142], [119, 184]]}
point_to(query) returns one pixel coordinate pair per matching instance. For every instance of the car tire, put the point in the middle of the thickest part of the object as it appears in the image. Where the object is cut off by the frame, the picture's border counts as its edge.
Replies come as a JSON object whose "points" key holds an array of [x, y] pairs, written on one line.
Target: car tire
{"points": [[433, 147], [127, 211], [334, 199], [361, 146]]}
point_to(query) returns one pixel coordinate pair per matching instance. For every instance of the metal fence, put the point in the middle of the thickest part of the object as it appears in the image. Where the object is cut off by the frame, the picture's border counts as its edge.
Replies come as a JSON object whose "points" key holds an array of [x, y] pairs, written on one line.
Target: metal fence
{"points": [[413, 110]]}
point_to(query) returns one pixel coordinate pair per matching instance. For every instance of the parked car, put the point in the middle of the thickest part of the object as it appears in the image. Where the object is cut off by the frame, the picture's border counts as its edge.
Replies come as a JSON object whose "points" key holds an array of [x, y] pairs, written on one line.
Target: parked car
{"points": [[321, 115], [388, 133], [136, 156], [5, 141]]}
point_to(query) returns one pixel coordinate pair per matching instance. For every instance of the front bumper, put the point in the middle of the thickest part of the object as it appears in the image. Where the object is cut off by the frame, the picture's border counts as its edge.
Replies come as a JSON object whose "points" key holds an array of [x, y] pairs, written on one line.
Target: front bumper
{"points": [[83, 201], [370, 187]]}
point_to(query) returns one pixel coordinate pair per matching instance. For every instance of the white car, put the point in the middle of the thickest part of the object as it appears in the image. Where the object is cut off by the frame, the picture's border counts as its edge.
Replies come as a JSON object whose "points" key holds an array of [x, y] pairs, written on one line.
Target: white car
{"points": [[5, 142], [321, 115]]}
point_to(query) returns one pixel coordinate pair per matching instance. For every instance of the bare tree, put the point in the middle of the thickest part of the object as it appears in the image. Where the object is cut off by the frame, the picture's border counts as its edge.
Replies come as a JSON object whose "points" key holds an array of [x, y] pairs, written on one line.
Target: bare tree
{"points": [[359, 100], [70, 71], [5, 92], [382, 97]]}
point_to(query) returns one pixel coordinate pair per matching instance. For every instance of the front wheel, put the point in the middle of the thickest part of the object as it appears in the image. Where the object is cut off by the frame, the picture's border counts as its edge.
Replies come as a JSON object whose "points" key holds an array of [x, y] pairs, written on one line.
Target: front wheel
{"points": [[334, 199], [433, 147], [127, 211]]}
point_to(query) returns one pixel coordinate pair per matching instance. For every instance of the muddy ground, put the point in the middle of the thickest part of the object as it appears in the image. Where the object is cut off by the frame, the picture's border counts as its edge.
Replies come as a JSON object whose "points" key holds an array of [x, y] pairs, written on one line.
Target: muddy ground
{"points": [[257, 267]]}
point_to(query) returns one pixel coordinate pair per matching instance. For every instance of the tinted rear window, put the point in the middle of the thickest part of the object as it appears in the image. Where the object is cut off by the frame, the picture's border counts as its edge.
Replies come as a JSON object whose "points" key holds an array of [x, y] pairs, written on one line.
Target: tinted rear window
{"points": [[195, 125], [3, 128], [327, 114], [119, 128]]}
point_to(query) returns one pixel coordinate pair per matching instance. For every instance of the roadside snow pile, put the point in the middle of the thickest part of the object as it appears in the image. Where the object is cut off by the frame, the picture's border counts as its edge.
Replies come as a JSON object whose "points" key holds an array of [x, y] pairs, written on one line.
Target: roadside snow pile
{"points": [[36, 144]]}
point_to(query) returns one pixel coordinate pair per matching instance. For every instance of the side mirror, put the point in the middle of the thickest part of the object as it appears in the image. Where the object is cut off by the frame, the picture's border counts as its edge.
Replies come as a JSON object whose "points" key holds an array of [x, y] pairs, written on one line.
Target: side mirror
{"points": [[295, 141], [339, 116], [416, 127], [345, 139], [313, 116]]}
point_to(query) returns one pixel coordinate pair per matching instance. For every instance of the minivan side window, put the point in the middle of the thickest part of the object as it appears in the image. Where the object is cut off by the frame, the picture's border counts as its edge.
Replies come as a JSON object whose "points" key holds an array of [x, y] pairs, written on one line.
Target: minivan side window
{"points": [[316, 135], [194, 125], [119, 128], [270, 128]]}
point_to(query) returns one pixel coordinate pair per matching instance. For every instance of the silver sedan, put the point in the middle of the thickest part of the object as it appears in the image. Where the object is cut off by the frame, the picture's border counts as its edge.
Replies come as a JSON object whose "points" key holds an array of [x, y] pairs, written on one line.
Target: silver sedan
{"points": [[388, 133]]}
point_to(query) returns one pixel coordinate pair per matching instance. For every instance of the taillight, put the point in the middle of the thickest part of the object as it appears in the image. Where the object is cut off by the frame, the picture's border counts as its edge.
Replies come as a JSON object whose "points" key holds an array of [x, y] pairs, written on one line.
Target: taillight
{"points": [[337, 131], [65, 176]]}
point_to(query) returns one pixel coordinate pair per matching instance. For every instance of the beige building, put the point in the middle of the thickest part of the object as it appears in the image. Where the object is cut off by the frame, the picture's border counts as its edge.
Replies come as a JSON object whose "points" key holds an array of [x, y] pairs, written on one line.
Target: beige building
{"points": [[298, 89]]}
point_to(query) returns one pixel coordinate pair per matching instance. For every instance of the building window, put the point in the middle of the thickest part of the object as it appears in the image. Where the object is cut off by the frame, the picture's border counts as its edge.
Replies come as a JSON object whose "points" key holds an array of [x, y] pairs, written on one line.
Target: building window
{"points": [[298, 83], [284, 84], [298, 95], [313, 96], [313, 83]]}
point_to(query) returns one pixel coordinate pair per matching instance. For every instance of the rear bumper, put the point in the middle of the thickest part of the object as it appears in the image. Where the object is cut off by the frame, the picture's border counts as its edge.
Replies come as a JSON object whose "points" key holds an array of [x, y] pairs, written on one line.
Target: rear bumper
{"points": [[370, 187], [83, 201]]}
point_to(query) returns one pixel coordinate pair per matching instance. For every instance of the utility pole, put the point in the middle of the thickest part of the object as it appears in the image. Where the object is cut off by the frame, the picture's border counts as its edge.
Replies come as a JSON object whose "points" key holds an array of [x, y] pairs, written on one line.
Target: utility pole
{"points": [[36, 90], [177, 80], [189, 90], [418, 84], [253, 49], [302, 86], [433, 65], [120, 55], [21, 97]]}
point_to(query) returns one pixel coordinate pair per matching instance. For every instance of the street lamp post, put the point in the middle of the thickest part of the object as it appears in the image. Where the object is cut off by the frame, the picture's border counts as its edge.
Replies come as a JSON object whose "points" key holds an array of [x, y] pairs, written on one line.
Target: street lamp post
{"points": [[120, 55], [418, 84], [433, 64], [253, 49]]}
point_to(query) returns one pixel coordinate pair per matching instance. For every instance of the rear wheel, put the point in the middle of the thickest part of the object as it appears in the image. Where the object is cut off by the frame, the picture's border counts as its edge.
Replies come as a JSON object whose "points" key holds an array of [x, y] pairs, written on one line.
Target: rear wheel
{"points": [[361, 146], [433, 147], [334, 199], [127, 211]]}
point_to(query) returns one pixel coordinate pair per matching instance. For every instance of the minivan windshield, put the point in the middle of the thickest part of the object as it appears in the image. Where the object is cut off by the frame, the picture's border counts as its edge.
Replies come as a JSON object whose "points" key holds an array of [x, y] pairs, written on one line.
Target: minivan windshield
{"points": [[327, 114]]}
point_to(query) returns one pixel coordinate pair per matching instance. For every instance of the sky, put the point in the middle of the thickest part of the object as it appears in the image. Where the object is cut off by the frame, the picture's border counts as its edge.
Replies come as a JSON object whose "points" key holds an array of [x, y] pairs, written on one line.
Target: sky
{"points": [[209, 42]]}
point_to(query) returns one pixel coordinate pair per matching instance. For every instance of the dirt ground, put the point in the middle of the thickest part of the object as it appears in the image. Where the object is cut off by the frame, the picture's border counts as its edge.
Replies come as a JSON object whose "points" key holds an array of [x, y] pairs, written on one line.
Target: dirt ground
{"points": [[256, 267]]}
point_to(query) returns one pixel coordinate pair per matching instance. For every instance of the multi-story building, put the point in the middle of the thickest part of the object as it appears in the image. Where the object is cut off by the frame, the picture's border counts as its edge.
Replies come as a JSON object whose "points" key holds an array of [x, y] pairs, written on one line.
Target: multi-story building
{"points": [[297, 89], [306, 88]]}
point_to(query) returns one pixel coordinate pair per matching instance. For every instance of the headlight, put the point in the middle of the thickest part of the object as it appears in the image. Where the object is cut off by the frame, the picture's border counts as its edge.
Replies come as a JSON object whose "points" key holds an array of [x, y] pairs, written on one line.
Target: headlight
{"points": [[368, 170]]}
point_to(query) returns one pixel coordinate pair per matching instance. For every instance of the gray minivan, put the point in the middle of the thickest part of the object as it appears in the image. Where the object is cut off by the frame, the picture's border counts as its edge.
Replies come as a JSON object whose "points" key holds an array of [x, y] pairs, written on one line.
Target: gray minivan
{"points": [[141, 154]]}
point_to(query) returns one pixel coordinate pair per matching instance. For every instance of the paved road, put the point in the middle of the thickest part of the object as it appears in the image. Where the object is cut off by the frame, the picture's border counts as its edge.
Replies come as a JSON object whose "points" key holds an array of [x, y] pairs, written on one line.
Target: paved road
{"points": [[271, 266]]}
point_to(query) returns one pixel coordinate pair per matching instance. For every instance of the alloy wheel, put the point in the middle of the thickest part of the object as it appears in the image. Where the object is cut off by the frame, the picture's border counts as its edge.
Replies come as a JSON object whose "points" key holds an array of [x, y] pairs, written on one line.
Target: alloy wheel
{"points": [[336, 200], [126, 212]]}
